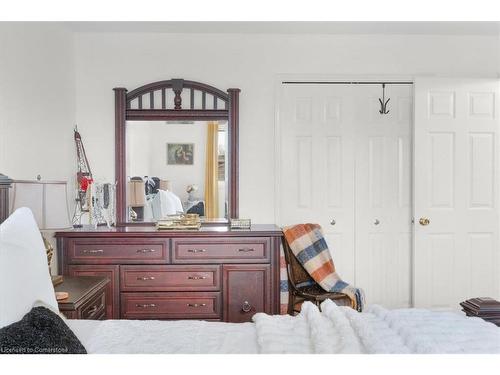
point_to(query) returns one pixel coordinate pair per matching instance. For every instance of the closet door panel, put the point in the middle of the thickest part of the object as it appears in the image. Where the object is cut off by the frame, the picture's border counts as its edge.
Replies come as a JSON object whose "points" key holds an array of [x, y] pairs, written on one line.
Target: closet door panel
{"points": [[383, 196], [316, 165], [336, 161], [334, 171], [456, 191]]}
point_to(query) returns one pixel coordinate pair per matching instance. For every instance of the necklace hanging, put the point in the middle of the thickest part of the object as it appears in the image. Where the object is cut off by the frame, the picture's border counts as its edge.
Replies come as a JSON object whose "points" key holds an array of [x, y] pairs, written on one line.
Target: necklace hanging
{"points": [[383, 102]]}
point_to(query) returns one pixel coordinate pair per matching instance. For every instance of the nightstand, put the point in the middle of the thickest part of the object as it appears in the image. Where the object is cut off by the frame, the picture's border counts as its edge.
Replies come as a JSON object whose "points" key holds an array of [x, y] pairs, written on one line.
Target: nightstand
{"points": [[87, 297]]}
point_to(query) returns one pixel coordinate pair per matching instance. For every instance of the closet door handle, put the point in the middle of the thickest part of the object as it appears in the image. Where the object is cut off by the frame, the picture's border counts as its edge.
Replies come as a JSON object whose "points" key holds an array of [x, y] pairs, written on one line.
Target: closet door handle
{"points": [[424, 221], [333, 222], [376, 222]]}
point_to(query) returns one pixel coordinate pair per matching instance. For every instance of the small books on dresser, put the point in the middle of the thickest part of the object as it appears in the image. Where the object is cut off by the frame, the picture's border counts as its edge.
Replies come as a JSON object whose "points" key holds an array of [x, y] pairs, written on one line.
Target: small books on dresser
{"points": [[485, 308], [179, 222]]}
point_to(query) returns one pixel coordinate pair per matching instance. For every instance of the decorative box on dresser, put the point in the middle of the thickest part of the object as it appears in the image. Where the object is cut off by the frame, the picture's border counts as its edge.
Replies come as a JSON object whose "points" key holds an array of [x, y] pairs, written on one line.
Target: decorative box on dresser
{"points": [[213, 273]]}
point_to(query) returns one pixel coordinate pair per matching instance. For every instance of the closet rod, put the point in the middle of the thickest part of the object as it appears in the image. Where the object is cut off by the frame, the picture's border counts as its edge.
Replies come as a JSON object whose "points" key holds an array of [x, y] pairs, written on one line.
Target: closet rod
{"points": [[343, 83]]}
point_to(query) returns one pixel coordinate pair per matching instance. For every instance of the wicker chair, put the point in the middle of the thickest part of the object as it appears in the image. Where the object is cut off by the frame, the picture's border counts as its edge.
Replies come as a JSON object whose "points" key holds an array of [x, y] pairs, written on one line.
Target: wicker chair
{"points": [[302, 287]]}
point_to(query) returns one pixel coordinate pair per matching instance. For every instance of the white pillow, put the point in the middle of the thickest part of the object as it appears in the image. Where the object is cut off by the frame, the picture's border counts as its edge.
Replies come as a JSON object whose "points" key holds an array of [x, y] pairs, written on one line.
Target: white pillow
{"points": [[165, 203], [173, 203], [24, 273]]}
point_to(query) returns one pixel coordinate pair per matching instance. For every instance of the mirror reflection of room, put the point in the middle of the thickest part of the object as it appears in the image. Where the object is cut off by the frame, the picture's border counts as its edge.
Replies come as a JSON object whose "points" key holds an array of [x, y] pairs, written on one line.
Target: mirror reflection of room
{"points": [[176, 167]]}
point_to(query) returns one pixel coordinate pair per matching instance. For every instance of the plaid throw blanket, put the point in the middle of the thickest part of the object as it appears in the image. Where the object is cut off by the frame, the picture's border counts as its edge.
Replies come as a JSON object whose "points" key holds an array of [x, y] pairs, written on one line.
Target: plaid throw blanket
{"points": [[309, 247]]}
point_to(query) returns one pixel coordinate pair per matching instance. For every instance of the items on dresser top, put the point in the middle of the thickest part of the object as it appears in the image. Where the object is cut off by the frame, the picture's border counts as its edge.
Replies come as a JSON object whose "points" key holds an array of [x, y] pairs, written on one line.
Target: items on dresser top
{"points": [[240, 223], [179, 222], [213, 273], [485, 308], [56, 279], [86, 297], [61, 295]]}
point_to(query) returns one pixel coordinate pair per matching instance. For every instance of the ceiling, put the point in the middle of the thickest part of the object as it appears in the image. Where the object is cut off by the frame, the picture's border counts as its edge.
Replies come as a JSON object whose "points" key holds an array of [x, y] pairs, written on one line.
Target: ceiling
{"points": [[302, 27]]}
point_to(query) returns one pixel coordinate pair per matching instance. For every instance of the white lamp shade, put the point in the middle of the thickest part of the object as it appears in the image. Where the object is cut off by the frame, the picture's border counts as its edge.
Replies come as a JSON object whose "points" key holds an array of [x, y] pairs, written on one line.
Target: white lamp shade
{"points": [[165, 185], [46, 199]]}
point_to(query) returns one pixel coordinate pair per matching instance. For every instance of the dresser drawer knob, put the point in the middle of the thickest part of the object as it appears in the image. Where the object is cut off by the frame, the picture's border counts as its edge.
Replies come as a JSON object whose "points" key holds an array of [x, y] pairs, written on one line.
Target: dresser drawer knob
{"points": [[144, 251], [195, 251], [97, 251], [197, 277], [246, 249], [196, 304], [146, 278], [145, 305], [246, 307]]}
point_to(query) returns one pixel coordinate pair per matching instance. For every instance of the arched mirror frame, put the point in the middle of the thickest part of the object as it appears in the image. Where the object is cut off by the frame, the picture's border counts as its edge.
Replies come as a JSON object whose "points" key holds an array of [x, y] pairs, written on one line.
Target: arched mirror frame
{"points": [[162, 111]]}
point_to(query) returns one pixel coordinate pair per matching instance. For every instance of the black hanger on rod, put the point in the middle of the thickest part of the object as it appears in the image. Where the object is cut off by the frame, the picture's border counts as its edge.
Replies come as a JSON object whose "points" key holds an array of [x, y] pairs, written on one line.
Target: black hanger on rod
{"points": [[383, 102]]}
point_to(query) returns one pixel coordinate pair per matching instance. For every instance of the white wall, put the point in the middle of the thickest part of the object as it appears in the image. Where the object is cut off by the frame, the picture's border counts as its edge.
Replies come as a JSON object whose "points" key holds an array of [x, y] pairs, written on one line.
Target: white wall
{"points": [[37, 108], [251, 62]]}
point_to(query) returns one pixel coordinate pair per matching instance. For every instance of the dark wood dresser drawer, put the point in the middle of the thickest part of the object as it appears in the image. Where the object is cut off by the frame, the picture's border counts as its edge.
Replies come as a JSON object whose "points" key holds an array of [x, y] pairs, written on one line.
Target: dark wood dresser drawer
{"points": [[95, 308], [221, 250], [246, 291], [111, 271], [86, 297], [103, 251], [170, 278], [171, 305]]}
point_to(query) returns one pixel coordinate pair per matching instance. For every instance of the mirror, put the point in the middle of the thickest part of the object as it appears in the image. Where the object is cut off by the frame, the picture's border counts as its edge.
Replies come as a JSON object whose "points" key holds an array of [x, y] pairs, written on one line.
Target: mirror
{"points": [[177, 166], [176, 141]]}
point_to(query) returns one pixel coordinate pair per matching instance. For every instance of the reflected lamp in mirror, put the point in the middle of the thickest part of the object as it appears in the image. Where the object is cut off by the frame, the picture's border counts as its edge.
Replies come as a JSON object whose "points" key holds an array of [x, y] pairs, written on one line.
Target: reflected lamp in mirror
{"points": [[165, 185], [48, 201], [136, 199]]}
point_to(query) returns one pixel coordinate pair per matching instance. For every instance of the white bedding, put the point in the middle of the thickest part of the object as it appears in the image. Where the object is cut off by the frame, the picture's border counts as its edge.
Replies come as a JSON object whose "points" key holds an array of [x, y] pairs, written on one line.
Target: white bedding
{"points": [[154, 336], [334, 330]]}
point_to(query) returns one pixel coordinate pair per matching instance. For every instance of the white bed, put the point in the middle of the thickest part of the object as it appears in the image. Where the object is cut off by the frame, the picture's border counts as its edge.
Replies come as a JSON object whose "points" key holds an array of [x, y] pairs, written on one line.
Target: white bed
{"points": [[334, 330], [25, 282], [155, 336]]}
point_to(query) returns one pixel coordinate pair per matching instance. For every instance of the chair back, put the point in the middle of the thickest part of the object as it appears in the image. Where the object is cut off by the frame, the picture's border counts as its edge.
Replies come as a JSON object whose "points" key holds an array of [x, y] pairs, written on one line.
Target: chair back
{"points": [[296, 272]]}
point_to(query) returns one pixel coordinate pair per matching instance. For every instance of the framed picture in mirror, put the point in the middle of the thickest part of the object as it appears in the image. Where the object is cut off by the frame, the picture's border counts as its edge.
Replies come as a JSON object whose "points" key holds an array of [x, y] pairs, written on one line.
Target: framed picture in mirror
{"points": [[180, 153]]}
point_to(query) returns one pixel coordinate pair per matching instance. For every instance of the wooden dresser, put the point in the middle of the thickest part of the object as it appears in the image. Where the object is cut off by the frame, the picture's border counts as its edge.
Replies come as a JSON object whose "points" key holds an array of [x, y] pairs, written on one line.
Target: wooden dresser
{"points": [[212, 274], [86, 297]]}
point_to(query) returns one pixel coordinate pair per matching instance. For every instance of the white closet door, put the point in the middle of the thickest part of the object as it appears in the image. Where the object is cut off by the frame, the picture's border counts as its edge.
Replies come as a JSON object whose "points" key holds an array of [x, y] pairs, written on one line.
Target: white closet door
{"points": [[316, 164], [456, 189], [383, 195]]}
